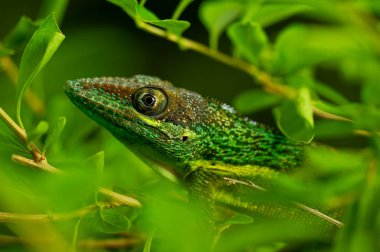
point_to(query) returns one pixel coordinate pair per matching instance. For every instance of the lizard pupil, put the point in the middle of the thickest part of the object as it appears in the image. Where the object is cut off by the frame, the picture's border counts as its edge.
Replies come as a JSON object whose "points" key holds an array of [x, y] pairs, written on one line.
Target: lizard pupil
{"points": [[149, 101]]}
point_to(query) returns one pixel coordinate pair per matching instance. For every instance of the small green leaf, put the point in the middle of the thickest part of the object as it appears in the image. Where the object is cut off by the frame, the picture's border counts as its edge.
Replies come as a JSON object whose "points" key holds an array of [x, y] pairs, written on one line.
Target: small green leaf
{"points": [[176, 27], [249, 40], [182, 5], [217, 15], [129, 6], [270, 14], [112, 220], [39, 131], [5, 52], [43, 44], [295, 117], [327, 92], [54, 132], [254, 100], [20, 34]]}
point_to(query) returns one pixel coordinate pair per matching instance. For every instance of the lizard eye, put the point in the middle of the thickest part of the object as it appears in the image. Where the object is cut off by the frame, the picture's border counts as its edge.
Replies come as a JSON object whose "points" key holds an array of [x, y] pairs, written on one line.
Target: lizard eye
{"points": [[149, 101]]}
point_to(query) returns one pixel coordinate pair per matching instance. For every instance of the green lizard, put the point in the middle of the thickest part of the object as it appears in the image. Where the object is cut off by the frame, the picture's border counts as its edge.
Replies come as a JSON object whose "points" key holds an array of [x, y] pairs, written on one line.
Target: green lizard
{"points": [[204, 143]]}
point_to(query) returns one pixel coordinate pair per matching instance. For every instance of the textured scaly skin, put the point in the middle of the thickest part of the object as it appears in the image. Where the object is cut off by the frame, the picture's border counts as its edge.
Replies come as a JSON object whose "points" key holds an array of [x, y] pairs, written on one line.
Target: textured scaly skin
{"points": [[200, 141]]}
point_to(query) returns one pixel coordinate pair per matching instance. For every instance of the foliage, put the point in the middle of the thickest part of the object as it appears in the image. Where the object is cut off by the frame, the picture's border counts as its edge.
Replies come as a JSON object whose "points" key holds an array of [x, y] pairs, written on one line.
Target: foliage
{"points": [[287, 47]]}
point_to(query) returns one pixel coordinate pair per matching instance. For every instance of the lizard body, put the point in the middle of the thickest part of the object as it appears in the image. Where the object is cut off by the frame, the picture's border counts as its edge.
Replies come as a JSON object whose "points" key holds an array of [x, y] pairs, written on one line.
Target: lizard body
{"points": [[202, 142]]}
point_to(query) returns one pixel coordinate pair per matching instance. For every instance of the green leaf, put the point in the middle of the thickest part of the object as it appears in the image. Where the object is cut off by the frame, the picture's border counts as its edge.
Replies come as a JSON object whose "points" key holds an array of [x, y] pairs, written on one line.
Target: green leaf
{"points": [[112, 220], [295, 117], [217, 15], [325, 129], [43, 44], [58, 7], [129, 6], [38, 132], [174, 26], [327, 92], [293, 52], [270, 14], [249, 40], [20, 34], [54, 133], [254, 100], [182, 5], [5, 52]]}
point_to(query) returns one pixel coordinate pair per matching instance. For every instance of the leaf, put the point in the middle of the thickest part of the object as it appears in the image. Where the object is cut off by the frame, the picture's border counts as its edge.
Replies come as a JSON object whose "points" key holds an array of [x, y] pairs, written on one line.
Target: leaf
{"points": [[112, 220], [249, 40], [43, 44], [38, 132], [5, 52], [54, 133], [129, 6], [270, 14], [295, 117], [254, 100], [217, 15], [327, 92], [20, 34], [58, 7], [325, 129], [176, 27], [293, 52]]}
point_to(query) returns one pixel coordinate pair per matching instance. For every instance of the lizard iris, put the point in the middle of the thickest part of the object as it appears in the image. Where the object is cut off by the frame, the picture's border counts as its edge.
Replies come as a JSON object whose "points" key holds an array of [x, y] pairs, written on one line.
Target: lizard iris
{"points": [[202, 142]]}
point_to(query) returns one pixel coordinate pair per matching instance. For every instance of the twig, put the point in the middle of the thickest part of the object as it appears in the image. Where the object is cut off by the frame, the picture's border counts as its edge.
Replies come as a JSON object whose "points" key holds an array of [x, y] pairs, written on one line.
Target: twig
{"points": [[22, 218], [13, 125]]}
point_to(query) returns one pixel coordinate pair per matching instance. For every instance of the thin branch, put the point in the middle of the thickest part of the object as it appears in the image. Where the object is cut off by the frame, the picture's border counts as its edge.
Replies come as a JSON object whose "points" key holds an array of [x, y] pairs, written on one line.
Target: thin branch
{"points": [[43, 165], [13, 125], [22, 218], [21, 133]]}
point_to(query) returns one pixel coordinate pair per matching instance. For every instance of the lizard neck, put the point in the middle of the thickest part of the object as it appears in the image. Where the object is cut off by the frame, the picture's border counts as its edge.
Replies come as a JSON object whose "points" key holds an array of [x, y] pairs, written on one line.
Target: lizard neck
{"points": [[233, 139]]}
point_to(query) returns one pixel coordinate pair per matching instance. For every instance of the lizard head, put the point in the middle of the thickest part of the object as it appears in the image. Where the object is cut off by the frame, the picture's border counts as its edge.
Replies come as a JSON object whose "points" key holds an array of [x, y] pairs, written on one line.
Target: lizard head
{"points": [[150, 116]]}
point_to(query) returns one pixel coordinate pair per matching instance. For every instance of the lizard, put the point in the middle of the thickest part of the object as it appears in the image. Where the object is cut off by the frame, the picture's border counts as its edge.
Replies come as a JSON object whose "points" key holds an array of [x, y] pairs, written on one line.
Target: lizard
{"points": [[203, 143]]}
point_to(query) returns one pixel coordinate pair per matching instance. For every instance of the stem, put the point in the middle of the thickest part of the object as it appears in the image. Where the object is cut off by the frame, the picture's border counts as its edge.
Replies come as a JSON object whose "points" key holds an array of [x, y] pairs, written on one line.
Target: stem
{"points": [[13, 125]]}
